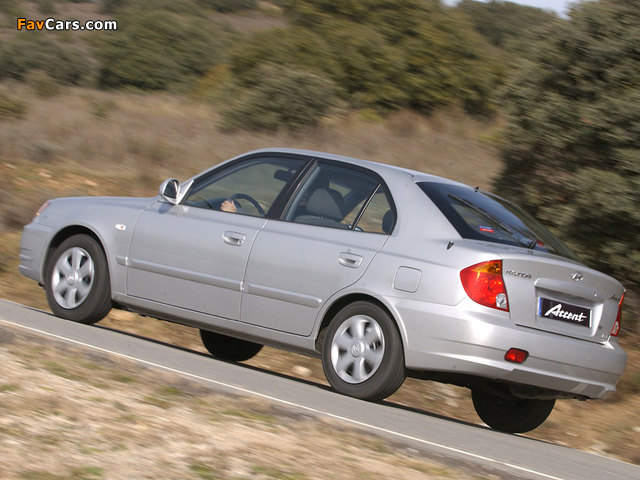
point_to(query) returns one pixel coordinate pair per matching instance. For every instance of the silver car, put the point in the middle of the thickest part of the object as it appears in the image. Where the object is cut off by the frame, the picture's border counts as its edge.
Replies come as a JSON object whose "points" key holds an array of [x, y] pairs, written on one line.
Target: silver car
{"points": [[383, 272]]}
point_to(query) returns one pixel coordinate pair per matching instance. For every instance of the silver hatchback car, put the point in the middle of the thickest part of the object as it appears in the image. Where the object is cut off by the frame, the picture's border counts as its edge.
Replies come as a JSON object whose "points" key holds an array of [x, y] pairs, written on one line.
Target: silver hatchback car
{"points": [[381, 271]]}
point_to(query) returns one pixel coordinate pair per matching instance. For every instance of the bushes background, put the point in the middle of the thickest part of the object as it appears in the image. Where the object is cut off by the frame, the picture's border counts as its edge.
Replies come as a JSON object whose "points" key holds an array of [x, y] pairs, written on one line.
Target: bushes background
{"points": [[572, 149], [285, 97], [166, 47], [26, 52]]}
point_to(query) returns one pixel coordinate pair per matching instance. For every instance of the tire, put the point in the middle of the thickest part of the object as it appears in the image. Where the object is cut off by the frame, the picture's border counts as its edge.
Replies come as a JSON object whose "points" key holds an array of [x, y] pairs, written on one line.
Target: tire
{"points": [[77, 280], [511, 414], [229, 348], [362, 354]]}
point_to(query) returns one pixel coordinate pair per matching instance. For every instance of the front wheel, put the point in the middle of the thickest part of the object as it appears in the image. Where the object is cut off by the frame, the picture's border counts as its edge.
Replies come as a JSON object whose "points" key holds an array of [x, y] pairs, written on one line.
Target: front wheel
{"points": [[77, 280], [511, 414], [362, 354]]}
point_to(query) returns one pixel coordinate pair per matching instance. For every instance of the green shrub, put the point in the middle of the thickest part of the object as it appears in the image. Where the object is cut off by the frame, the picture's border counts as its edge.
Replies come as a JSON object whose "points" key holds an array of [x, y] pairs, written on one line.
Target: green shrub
{"points": [[406, 53], [503, 23], [27, 52], [394, 19], [226, 6], [286, 97], [368, 68], [295, 46], [160, 49]]}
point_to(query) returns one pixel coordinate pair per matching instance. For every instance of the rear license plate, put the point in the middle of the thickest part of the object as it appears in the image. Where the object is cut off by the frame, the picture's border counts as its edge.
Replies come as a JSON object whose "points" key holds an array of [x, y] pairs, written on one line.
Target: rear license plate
{"points": [[564, 311]]}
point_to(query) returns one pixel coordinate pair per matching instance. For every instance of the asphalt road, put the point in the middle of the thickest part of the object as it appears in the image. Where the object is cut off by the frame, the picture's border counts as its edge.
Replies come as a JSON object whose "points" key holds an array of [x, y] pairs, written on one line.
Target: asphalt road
{"points": [[444, 439]]}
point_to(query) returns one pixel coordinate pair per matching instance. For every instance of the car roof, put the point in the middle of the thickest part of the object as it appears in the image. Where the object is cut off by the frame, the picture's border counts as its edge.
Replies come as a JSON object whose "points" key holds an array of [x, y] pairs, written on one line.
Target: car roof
{"points": [[381, 168]]}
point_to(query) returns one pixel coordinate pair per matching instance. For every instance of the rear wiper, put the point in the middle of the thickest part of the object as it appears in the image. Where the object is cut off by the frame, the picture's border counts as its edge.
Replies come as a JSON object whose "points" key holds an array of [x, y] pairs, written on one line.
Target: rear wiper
{"points": [[531, 244]]}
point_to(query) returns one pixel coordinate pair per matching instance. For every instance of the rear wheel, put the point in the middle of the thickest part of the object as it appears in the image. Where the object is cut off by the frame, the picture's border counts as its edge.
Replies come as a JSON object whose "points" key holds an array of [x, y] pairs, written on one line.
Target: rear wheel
{"points": [[362, 354], [229, 348], [511, 414], [77, 280]]}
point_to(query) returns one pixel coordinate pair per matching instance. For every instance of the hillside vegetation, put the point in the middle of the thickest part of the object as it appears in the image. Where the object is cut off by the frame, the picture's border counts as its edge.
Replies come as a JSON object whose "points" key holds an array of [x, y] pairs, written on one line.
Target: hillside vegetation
{"points": [[541, 109]]}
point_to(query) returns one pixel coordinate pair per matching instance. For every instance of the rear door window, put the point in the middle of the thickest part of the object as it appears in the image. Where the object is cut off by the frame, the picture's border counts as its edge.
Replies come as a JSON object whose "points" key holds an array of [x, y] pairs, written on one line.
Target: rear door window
{"points": [[342, 197]]}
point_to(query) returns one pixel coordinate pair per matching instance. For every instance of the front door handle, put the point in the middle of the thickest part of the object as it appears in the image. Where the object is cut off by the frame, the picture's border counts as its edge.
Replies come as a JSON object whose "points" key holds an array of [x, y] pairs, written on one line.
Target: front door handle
{"points": [[350, 260], [234, 238]]}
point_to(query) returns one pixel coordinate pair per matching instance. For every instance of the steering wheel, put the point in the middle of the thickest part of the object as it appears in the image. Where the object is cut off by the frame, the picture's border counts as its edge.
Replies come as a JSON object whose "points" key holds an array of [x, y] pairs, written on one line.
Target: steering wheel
{"points": [[250, 199]]}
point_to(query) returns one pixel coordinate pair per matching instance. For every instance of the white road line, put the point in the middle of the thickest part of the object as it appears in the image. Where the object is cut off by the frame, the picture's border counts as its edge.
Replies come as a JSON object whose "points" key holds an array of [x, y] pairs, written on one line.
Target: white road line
{"points": [[292, 404]]}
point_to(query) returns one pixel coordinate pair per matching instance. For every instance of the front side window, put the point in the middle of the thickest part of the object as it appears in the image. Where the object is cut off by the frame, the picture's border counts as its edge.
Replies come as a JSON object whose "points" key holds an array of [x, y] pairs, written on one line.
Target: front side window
{"points": [[483, 216], [340, 197], [248, 188]]}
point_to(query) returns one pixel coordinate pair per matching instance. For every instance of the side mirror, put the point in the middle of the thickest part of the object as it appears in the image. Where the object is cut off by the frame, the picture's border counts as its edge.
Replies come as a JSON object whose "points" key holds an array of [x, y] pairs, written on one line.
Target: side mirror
{"points": [[172, 192], [169, 190]]}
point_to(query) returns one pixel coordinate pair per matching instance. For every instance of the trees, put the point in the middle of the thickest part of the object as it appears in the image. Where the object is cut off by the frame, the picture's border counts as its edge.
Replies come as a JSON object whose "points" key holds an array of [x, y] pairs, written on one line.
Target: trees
{"points": [[25, 53], [382, 54], [504, 23], [572, 151], [161, 48]]}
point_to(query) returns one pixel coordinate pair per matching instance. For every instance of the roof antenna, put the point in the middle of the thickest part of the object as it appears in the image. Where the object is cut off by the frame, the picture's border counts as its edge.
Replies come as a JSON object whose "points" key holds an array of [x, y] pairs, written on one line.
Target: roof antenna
{"points": [[476, 189]]}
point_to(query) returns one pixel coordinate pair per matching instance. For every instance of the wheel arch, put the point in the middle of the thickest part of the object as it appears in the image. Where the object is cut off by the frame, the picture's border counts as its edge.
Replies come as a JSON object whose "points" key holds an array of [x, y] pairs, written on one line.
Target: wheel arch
{"points": [[342, 302], [61, 236]]}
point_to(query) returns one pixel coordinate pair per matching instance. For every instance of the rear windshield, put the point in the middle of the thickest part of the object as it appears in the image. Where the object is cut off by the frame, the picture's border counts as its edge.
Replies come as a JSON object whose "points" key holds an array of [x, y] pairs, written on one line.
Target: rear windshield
{"points": [[483, 216]]}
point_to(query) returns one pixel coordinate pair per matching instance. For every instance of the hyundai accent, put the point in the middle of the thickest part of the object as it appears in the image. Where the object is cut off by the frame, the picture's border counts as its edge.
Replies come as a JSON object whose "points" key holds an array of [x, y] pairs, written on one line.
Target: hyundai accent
{"points": [[382, 272]]}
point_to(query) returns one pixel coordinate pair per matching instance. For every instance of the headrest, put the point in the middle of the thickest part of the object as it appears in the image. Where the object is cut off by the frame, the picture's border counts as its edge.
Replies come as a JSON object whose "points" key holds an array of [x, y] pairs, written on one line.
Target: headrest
{"points": [[326, 203]]}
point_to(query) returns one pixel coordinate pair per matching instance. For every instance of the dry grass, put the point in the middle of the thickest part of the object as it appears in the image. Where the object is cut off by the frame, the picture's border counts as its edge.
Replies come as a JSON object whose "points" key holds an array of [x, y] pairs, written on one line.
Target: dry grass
{"points": [[129, 131]]}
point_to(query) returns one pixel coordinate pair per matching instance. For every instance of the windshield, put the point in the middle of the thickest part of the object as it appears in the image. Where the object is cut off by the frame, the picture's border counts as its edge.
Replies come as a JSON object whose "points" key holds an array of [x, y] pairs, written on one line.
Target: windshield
{"points": [[483, 216]]}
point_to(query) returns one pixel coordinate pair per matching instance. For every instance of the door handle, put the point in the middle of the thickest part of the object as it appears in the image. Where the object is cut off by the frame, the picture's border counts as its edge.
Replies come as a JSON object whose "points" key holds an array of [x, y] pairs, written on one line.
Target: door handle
{"points": [[350, 260], [234, 238]]}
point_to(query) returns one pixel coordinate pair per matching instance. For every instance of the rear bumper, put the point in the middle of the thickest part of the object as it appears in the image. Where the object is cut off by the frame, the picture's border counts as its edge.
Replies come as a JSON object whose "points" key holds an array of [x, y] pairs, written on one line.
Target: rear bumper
{"points": [[33, 246], [472, 342]]}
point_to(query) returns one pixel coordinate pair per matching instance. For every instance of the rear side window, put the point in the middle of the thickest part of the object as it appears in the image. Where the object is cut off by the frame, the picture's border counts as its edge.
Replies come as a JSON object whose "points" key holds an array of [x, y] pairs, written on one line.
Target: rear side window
{"points": [[483, 216], [379, 216]]}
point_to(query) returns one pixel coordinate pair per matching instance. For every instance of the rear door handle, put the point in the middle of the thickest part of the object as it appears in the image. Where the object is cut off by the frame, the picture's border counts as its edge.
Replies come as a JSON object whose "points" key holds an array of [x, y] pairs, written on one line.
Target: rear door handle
{"points": [[234, 238], [350, 260]]}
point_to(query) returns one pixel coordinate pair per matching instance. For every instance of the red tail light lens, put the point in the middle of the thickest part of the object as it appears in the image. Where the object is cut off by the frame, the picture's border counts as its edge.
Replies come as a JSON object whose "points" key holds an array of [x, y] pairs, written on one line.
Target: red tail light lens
{"points": [[615, 331], [484, 284]]}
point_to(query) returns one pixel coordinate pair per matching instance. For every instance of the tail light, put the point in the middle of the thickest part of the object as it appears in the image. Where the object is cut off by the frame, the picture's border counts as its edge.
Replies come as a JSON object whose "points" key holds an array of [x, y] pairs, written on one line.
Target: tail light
{"points": [[484, 284], [615, 331]]}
